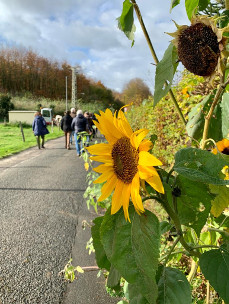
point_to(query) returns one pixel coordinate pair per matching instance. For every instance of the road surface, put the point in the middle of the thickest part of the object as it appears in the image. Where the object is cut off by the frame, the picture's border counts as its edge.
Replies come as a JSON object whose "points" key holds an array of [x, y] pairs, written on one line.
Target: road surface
{"points": [[42, 210]]}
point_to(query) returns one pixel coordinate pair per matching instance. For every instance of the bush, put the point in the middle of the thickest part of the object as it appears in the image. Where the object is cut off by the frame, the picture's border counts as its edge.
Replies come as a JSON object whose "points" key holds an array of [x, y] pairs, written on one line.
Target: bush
{"points": [[5, 105]]}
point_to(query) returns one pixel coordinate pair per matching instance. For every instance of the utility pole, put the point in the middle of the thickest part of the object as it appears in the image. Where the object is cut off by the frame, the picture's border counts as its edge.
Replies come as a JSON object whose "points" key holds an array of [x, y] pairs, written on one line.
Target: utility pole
{"points": [[74, 87], [66, 85]]}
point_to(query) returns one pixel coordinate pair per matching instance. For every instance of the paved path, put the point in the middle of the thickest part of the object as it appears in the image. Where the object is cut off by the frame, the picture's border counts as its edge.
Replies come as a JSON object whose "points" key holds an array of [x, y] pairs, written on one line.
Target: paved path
{"points": [[42, 209]]}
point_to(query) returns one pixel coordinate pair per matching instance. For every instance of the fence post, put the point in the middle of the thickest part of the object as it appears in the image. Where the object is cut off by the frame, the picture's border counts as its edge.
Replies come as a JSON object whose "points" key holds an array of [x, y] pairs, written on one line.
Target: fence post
{"points": [[22, 132], [4, 121], [52, 126]]}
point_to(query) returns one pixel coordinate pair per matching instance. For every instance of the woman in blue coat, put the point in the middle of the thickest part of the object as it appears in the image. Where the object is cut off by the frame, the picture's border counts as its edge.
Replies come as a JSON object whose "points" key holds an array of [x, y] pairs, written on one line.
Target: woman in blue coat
{"points": [[39, 129]]}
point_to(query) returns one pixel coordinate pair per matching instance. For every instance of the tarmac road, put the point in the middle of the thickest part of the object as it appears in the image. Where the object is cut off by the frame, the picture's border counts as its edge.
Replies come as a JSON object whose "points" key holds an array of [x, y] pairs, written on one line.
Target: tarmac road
{"points": [[41, 214]]}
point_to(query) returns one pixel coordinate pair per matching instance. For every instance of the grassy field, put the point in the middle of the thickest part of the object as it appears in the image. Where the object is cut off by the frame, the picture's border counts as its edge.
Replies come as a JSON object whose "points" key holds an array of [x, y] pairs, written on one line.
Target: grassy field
{"points": [[11, 138]]}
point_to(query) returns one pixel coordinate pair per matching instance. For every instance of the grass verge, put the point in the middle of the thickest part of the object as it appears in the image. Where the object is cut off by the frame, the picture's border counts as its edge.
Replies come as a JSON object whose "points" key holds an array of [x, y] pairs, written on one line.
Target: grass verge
{"points": [[11, 140]]}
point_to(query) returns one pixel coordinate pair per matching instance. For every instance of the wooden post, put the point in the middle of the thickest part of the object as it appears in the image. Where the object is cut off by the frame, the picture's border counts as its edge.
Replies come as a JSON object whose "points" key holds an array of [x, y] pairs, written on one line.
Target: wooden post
{"points": [[52, 126], [22, 132], [4, 120]]}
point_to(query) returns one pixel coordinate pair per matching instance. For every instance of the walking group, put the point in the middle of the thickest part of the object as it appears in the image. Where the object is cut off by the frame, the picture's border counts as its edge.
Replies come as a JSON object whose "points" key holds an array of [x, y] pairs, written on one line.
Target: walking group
{"points": [[77, 125], [74, 124]]}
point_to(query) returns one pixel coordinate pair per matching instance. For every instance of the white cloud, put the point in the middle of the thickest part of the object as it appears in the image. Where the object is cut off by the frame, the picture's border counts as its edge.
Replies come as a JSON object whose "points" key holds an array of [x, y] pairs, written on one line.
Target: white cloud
{"points": [[86, 33]]}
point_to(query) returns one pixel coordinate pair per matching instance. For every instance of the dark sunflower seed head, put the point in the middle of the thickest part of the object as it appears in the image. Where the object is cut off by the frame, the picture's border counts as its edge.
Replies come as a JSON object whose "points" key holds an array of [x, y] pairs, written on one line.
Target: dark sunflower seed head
{"points": [[198, 49]]}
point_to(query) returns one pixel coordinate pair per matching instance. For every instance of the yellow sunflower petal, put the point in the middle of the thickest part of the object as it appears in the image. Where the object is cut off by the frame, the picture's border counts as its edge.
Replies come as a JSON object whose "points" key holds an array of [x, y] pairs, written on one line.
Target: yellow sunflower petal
{"points": [[123, 124], [145, 145], [220, 145], [139, 137], [102, 158], [147, 159], [102, 168], [225, 143], [108, 188], [117, 197], [126, 200], [100, 149], [155, 182], [109, 127], [104, 177], [136, 198], [146, 172]]}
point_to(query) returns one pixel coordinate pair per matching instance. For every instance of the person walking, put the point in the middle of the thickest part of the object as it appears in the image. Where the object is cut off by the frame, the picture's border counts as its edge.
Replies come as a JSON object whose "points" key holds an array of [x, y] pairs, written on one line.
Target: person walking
{"points": [[65, 125], [73, 115], [79, 124], [39, 129], [89, 121]]}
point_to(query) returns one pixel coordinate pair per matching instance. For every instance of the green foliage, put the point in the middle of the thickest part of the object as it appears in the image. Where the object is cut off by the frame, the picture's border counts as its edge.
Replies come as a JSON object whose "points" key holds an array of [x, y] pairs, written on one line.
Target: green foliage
{"points": [[194, 203], [200, 166], [203, 4], [174, 3], [173, 287], [128, 247], [191, 6], [215, 267], [101, 257], [165, 71], [225, 115], [221, 201], [126, 20], [196, 119], [194, 219], [5, 105]]}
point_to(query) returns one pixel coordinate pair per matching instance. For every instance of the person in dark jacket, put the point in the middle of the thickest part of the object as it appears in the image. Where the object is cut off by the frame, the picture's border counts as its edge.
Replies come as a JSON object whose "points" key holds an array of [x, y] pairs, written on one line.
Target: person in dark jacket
{"points": [[39, 129], [65, 125], [79, 124]]}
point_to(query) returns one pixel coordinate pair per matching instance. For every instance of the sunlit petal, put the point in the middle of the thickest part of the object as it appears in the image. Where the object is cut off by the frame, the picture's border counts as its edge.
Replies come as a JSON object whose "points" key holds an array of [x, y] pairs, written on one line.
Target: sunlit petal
{"points": [[108, 188], [147, 159]]}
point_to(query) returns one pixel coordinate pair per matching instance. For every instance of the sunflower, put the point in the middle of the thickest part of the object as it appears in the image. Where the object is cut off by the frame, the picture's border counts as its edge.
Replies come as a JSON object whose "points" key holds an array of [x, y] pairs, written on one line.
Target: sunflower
{"points": [[201, 46], [126, 162], [222, 146]]}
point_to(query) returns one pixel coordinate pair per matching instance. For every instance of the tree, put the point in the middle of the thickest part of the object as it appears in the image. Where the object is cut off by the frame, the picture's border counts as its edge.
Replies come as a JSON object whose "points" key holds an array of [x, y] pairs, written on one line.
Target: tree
{"points": [[5, 105], [136, 91]]}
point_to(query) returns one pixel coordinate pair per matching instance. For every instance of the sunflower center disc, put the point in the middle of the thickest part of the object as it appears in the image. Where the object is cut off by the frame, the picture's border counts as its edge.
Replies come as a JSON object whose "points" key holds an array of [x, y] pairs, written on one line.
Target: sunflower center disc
{"points": [[226, 151], [125, 158]]}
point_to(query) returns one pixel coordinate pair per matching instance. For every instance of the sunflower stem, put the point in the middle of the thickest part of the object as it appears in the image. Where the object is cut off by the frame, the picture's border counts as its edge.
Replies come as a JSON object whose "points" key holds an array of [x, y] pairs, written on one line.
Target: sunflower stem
{"points": [[177, 224], [227, 4], [171, 250], [218, 94], [168, 176], [171, 94]]}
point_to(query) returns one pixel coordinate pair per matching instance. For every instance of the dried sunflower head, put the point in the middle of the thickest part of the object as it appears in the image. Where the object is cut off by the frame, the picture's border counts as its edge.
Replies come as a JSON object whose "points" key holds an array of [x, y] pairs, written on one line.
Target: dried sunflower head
{"points": [[201, 46]]}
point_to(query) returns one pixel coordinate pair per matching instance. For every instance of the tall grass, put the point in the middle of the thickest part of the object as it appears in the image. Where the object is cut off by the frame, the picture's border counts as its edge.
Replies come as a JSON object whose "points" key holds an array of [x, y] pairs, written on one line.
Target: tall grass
{"points": [[30, 103]]}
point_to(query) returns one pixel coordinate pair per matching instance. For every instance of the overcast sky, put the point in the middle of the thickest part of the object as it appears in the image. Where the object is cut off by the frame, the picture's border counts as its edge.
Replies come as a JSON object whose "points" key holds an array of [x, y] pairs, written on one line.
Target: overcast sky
{"points": [[85, 33]]}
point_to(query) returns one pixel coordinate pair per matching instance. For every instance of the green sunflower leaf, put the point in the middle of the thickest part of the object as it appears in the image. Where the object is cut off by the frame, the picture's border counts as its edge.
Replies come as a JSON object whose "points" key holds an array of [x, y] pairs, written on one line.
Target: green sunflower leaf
{"points": [[225, 115], [203, 4], [165, 71], [100, 254], [173, 4], [215, 266], [191, 6], [133, 249], [113, 278], [221, 200], [194, 203], [196, 118], [173, 287], [200, 166], [126, 20], [135, 296]]}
